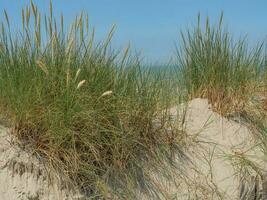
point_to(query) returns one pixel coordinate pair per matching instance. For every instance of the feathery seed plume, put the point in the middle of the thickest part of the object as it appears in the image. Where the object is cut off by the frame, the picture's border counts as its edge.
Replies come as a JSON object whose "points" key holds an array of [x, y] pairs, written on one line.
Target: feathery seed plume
{"points": [[80, 84], [106, 93]]}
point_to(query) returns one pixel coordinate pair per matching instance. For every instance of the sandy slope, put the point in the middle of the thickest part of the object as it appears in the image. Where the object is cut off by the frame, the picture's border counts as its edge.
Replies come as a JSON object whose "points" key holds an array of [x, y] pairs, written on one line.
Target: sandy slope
{"points": [[211, 175], [23, 177], [218, 148], [222, 146]]}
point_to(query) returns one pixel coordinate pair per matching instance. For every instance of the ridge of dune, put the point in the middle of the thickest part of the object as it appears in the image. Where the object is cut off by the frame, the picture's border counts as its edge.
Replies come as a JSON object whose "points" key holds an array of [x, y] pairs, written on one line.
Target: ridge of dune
{"points": [[217, 148], [222, 146]]}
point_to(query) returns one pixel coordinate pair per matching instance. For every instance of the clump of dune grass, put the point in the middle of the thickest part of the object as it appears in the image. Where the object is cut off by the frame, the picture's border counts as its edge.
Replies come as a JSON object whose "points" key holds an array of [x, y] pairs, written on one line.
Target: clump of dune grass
{"points": [[214, 65], [87, 110]]}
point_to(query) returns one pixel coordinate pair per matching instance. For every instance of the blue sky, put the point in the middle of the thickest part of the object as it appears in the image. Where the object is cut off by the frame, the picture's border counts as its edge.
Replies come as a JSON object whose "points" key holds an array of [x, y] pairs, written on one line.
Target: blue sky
{"points": [[152, 26]]}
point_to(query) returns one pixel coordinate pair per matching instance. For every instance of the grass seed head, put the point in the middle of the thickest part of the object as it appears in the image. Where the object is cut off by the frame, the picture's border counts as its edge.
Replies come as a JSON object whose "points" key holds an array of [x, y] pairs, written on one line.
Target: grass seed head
{"points": [[80, 84], [42, 67], [107, 93], [77, 74]]}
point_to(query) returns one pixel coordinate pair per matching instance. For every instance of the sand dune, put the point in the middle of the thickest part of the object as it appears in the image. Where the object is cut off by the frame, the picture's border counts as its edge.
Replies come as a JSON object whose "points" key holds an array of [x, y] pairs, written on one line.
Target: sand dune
{"points": [[218, 149], [24, 177], [218, 144]]}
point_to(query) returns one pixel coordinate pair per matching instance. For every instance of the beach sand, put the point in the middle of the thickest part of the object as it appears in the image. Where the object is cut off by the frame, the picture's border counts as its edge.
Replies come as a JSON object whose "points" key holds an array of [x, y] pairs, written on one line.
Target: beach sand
{"points": [[214, 171]]}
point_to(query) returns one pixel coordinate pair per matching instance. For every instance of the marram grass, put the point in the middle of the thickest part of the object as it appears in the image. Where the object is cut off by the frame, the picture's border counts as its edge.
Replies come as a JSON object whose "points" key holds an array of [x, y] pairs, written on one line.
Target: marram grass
{"points": [[85, 109], [216, 66]]}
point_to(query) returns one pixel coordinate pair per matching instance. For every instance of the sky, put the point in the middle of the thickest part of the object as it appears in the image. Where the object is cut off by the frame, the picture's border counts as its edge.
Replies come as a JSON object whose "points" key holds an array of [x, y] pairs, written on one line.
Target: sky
{"points": [[152, 27]]}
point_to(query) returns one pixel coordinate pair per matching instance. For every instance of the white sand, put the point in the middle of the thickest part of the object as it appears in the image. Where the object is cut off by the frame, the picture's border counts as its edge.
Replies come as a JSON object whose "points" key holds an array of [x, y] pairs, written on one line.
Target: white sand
{"points": [[220, 138], [23, 177], [210, 176]]}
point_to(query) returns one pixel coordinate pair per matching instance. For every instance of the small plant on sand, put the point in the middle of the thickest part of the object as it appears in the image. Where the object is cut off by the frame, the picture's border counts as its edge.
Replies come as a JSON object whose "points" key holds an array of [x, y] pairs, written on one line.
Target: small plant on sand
{"points": [[215, 66], [86, 110]]}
